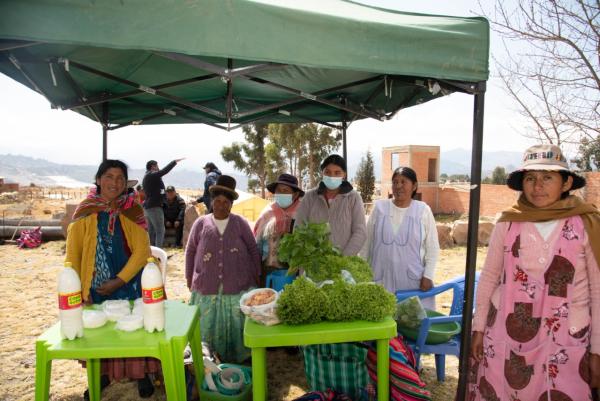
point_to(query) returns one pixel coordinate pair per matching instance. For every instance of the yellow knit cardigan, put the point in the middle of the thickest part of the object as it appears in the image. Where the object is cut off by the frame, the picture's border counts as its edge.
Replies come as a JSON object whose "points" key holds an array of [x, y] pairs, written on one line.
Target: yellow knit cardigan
{"points": [[81, 249]]}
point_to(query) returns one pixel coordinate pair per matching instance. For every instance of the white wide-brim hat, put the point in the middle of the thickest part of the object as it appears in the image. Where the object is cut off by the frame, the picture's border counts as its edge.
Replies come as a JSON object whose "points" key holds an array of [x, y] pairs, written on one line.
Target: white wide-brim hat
{"points": [[544, 157]]}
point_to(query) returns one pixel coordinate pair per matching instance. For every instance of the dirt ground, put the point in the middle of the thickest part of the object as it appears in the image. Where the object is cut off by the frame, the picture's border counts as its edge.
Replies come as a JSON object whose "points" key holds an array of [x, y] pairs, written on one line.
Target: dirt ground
{"points": [[28, 308]]}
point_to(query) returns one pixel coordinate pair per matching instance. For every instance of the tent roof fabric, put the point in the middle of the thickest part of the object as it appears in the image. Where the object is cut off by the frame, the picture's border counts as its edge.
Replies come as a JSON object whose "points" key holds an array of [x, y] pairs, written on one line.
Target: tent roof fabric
{"points": [[300, 50]]}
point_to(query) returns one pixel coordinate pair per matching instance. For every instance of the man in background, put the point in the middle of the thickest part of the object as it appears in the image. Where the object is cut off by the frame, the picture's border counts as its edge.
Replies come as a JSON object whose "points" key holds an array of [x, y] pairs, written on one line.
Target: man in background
{"points": [[154, 188], [174, 212], [212, 173]]}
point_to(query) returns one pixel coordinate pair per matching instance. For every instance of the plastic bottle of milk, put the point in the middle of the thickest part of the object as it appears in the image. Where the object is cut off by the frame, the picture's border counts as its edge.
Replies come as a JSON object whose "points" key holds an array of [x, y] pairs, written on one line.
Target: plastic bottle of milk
{"points": [[70, 303], [153, 294]]}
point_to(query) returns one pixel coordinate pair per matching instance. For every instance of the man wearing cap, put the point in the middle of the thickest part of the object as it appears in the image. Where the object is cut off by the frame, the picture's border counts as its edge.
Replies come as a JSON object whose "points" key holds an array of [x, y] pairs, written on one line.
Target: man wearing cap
{"points": [[212, 173], [174, 212], [154, 188], [276, 220]]}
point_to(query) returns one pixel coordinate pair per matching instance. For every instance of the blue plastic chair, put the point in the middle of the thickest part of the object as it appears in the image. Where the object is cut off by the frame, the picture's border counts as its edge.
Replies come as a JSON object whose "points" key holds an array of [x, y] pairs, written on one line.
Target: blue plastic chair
{"points": [[452, 347]]}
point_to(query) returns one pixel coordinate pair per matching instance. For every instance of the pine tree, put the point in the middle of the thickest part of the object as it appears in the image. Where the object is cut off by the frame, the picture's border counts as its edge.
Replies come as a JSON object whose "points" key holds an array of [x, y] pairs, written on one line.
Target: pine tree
{"points": [[365, 178], [250, 157]]}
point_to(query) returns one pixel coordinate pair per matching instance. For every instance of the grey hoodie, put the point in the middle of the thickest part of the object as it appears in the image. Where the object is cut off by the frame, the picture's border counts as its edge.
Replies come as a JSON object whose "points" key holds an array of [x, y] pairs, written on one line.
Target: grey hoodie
{"points": [[345, 215]]}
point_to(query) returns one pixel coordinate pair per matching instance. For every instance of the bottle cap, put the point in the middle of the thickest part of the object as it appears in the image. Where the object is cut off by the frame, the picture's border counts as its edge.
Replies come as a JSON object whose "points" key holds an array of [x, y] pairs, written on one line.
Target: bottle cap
{"points": [[68, 264], [151, 260]]}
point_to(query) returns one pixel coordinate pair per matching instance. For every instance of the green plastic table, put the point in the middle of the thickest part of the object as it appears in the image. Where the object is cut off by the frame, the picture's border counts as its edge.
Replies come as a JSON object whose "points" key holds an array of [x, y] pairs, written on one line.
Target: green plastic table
{"points": [[258, 337], [181, 326]]}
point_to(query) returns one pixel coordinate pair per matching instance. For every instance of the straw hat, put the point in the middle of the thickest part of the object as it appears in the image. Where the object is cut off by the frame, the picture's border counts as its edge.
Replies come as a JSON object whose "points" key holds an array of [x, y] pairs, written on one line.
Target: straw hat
{"points": [[545, 157]]}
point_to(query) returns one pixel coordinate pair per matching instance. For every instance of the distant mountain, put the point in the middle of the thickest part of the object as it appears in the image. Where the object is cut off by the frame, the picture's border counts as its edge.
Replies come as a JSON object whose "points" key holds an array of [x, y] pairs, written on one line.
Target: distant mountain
{"points": [[26, 170], [458, 161]]}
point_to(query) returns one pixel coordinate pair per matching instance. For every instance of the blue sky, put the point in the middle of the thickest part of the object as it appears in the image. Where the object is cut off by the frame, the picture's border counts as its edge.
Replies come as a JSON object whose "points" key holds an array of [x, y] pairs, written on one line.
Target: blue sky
{"points": [[29, 127]]}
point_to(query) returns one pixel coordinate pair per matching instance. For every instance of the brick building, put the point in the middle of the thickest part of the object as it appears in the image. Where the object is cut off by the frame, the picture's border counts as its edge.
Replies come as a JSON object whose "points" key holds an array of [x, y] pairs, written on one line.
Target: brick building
{"points": [[8, 187]]}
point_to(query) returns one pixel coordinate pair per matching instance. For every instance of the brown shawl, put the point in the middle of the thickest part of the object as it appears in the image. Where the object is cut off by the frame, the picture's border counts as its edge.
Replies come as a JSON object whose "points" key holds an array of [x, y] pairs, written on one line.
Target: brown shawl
{"points": [[572, 205]]}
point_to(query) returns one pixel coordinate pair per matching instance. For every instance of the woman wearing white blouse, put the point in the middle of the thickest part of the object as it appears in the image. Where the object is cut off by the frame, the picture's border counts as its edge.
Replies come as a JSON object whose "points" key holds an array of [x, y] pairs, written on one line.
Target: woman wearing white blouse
{"points": [[402, 244]]}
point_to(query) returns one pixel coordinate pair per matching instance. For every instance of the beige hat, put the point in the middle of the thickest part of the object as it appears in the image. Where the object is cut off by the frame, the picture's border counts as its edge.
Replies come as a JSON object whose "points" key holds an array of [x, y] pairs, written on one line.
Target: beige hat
{"points": [[544, 157]]}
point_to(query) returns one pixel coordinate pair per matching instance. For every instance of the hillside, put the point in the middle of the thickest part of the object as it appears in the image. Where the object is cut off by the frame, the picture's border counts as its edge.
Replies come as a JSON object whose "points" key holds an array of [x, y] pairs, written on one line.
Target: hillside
{"points": [[26, 170]]}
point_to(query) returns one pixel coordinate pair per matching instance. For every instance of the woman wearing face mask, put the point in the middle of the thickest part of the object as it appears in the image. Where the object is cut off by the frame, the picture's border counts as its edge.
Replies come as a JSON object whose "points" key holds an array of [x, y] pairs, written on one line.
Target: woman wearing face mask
{"points": [[402, 244], [276, 220], [335, 201]]}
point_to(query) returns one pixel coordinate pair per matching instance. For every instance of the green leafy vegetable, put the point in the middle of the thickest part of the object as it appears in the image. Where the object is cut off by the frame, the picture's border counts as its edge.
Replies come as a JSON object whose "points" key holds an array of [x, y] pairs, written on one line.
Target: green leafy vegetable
{"points": [[371, 302], [306, 247], [333, 265], [339, 305], [410, 312], [301, 302]]}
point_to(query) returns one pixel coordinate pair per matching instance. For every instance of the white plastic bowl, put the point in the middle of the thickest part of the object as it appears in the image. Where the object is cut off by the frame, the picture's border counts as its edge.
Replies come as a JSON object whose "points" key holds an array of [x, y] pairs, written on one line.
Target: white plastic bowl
{"points": [[130, 323], [93, 319]]}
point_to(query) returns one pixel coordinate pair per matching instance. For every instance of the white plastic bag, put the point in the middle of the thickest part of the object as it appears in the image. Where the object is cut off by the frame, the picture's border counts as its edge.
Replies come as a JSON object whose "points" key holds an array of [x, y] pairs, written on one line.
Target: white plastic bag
{"points": [[251, 304], [410, 312], [115, 309]]}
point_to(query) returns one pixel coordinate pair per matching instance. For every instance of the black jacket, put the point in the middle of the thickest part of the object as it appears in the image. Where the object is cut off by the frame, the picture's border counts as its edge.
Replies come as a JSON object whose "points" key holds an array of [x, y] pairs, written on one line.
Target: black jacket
{"points": [[154, 187], [174, 211]]}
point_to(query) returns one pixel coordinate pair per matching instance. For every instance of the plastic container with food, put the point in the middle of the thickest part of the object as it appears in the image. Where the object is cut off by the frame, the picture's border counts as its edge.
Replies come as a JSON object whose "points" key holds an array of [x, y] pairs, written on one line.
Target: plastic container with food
{"points": [[260, 305]]}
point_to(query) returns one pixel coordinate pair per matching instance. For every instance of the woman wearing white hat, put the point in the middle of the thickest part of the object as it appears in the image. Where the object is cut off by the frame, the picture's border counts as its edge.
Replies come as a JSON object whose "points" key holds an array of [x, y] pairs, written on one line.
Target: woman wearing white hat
{"points": [[534, 335]]}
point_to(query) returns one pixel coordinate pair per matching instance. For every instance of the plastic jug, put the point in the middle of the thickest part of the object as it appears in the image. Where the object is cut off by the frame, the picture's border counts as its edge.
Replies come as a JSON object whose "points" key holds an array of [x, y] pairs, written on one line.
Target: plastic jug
{"points": [[153, 294], [70, 306]]}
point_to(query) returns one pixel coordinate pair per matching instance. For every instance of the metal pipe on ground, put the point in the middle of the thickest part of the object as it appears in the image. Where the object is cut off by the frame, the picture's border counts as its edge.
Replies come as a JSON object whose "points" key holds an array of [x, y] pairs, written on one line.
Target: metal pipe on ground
{"points": [[49, 233], [28, 222]]}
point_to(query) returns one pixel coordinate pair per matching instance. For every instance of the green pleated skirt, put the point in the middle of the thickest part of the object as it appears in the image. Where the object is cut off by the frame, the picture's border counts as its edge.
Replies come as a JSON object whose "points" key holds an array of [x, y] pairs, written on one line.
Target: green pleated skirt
{"points": [[222, 325]]}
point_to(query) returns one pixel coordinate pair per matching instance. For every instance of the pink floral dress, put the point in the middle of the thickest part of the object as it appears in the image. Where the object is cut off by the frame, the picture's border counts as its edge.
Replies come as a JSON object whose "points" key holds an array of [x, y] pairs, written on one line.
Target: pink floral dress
{"points": [[536, 336]]}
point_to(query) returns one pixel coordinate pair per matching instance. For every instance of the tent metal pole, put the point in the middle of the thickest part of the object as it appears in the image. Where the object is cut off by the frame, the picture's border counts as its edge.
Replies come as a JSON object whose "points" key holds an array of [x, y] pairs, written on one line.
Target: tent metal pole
{"points": [[104, 131], [474, 198], [344, 127]]}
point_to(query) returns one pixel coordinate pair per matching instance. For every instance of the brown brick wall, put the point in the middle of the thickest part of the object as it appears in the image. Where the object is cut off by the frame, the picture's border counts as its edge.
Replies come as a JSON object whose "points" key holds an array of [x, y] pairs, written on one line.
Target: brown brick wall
{"points": [[11, 187], [493, 199], [591, 191]]}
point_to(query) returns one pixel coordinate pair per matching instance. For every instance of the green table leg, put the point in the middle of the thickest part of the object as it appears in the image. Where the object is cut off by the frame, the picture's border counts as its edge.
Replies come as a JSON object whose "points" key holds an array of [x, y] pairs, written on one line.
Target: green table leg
{"points": [[259, 374], [43, 368], [169, 371], [196, 346], [93, 374], [179, 368], [383, 370]]}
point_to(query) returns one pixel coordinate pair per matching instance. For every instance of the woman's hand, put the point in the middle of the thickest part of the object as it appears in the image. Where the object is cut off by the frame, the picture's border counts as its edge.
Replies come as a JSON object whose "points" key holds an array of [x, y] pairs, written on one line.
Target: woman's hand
{"points": [[477, 346], [426, 284], [594, 371], [110, 286]]}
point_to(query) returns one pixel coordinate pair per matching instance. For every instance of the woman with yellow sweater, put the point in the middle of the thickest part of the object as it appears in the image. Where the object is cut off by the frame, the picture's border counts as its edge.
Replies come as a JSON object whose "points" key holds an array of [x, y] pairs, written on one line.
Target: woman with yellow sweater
{"points": [[107, 245]]}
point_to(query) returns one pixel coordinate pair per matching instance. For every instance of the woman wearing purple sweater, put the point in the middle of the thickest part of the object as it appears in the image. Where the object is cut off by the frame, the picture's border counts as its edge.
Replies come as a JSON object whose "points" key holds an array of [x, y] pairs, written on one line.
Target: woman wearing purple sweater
{"points": [[221, 263]]}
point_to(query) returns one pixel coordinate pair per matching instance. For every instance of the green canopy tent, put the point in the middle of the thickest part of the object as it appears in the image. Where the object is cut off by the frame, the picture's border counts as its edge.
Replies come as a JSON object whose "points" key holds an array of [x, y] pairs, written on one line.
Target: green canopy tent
{"points": [[226, 63]]}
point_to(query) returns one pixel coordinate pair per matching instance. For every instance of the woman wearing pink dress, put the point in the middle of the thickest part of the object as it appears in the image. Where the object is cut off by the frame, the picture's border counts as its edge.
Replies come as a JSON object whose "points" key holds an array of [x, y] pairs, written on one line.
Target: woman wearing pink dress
{"points": [[539, 292]]}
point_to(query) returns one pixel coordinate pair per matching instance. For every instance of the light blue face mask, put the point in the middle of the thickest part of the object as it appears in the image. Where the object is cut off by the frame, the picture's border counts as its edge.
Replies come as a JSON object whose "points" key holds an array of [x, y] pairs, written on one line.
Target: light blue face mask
{"points": [[332, 182], [283, 200]]}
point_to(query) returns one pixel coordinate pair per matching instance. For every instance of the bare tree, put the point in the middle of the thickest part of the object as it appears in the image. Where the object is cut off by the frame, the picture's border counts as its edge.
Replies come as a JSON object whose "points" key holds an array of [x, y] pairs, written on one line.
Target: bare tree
{"points": [[551, 65]]}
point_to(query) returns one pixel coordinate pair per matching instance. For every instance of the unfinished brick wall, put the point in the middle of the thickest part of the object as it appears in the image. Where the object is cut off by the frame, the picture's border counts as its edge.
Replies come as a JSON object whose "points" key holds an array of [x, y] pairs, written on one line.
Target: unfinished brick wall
{"points": [[591, 191], [9, 187], [493, 199]]}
